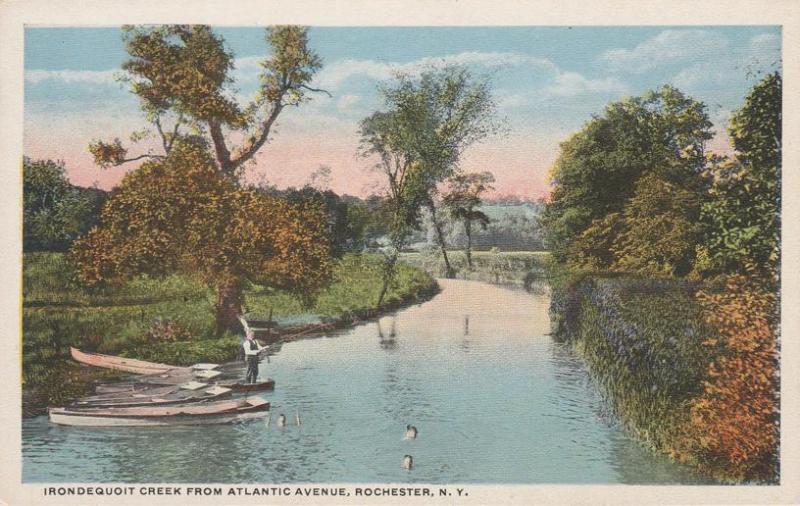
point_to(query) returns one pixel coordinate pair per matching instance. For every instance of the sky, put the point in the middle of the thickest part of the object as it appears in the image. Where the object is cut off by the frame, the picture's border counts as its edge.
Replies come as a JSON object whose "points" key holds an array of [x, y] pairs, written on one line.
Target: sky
{"points": [[547, 82]]}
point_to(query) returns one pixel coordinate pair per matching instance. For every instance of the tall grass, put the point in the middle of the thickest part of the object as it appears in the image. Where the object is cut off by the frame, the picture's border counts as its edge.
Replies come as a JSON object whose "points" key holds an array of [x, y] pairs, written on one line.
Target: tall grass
{"points": [[643, 340], [684, 374], [59, 313]]}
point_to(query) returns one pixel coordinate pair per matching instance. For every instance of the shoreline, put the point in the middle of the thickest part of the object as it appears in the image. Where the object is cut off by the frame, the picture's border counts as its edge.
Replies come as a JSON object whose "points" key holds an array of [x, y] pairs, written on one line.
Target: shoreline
{"points": [[96, 376]]}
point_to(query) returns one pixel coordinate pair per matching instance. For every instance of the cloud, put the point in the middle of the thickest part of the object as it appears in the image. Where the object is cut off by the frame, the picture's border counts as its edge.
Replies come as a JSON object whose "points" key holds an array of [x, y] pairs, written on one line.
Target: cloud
{"points": [[346, 102], [72, 76], [333, 75], [668, 47], [570, 84]]}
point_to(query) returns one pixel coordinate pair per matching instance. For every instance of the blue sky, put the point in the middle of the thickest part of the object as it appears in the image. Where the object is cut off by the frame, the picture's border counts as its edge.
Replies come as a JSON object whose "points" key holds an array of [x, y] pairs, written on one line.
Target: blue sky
{"points": [[547, 81]]}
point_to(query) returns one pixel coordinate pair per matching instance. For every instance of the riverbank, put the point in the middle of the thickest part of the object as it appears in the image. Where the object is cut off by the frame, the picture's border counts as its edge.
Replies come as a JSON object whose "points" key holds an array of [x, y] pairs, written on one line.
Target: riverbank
{"points": [[472, 363], [687, 366], [510, 268], [171, 320]]}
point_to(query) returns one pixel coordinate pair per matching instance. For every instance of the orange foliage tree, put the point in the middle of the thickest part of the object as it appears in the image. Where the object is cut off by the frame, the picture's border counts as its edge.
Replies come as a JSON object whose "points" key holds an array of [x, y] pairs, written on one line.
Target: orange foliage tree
{"points": [[735, 421], [180, 214], [182, 75]]}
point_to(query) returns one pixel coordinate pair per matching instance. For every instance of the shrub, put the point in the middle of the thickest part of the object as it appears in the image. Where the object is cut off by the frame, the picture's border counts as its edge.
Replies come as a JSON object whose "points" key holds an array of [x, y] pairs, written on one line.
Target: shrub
{"points": [[735, 422]]}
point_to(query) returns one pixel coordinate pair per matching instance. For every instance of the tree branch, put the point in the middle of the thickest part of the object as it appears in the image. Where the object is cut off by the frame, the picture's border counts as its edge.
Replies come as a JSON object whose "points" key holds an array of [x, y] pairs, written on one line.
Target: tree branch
{"points": [[178, 123], [164, 143], [316, 90], [248, 152], [158, 157], [223, 154]]}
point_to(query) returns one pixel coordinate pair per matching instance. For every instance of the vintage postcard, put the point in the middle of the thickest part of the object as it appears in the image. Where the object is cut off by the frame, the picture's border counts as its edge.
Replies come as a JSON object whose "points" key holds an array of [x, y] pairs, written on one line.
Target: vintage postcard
{"points": [[424, 252]]}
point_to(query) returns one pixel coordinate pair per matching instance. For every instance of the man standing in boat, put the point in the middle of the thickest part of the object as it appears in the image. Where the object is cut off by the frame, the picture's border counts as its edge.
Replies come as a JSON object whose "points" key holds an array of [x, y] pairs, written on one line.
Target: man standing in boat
{"points": [[251, 352]]}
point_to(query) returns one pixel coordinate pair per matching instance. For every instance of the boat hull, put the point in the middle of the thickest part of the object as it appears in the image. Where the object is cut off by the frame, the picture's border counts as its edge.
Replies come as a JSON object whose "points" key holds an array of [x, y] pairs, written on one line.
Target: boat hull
{"points": [[99, 421], [250, 387], [177, 396], [203, 414]]}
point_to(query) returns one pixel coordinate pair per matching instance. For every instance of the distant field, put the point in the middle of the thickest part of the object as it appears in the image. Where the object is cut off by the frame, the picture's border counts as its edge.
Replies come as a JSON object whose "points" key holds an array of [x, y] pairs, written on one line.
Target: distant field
{"points": [[511, 267]]}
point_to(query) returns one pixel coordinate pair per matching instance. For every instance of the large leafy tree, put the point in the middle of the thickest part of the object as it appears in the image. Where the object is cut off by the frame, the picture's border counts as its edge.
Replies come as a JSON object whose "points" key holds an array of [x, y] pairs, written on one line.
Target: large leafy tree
{"points": [[55, 212], [663, 132], [659, 229], [743, 211], [179, 214], [462, 201], [183, 209], [428, 121], [181, 74]]}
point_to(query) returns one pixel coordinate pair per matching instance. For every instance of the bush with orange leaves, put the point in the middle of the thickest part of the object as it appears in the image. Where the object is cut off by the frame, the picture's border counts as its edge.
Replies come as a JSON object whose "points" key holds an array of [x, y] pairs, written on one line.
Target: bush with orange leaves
{"points": [[179, 214], [734, 430]]}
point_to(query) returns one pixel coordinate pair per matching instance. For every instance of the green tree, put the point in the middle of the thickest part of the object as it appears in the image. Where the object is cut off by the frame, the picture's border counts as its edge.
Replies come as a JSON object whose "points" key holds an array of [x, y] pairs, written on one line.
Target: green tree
{"points": [[659, 229], [179, 214], [181, 74], [429, 121], [55, 213], [662, 132], [462, 202], [742, 212]]}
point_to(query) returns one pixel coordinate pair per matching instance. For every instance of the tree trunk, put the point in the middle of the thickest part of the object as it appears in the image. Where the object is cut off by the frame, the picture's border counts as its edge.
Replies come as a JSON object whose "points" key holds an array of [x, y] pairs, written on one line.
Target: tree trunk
{"points": [[468, 250], [228, 304], [449, 273]]}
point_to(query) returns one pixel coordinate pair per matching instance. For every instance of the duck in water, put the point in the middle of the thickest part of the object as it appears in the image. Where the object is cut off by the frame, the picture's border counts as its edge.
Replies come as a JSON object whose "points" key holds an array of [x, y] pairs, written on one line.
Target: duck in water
{"points": [[281, 420], [411, 432], [408, 462]]}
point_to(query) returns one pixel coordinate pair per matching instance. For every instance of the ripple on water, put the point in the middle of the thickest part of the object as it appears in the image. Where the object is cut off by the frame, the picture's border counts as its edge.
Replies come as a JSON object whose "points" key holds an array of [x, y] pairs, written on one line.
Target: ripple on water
{"points": [[495, 401]]}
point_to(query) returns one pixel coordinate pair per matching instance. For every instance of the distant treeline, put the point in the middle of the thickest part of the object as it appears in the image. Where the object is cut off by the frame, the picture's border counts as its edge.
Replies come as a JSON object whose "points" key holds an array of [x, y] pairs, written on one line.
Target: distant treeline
{"points": [[57, 212], [513, 226]]}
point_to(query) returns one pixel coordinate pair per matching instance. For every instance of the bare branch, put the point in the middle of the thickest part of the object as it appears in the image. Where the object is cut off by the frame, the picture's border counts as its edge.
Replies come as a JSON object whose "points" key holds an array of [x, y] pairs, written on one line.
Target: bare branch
{"points": [[316, 90], [157, 122], [249, 151], [126, 160]]}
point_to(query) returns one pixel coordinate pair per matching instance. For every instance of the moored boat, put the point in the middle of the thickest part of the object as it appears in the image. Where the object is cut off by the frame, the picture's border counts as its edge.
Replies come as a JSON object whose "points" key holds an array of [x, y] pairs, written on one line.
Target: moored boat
{"points": [[159, 397], [190, 414], [124, 364], [239, 386]]}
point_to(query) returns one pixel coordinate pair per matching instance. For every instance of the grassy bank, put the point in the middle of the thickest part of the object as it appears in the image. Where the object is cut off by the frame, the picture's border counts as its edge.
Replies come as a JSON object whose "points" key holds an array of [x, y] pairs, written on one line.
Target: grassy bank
{"points": [[518, 268], [655, 348], [168, 320]]}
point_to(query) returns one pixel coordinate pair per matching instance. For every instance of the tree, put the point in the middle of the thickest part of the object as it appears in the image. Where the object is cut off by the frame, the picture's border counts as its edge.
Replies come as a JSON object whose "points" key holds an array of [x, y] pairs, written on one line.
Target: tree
{"points": [[383, 135], [662, 132], [343, 228], [659, 229], [462, 201], [743, 212], [55, 213], [429, 121], [181, 75], [179, 214]]}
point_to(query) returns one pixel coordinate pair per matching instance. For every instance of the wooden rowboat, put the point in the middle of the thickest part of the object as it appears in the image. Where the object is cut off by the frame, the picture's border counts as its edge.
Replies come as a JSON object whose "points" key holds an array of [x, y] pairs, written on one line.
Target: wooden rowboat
{"points": [[176, 396], [238, 386], [190, 414], [123, 364], [132, 393]]}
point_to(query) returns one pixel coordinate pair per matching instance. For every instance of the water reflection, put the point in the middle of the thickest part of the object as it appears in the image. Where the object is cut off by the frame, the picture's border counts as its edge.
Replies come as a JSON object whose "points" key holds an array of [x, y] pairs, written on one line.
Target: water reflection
{"points": [[494, 398], [387, 342]]}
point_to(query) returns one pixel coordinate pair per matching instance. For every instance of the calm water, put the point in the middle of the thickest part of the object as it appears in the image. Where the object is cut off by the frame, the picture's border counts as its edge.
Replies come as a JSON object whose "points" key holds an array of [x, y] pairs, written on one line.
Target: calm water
{"points": [[494, 398]]}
